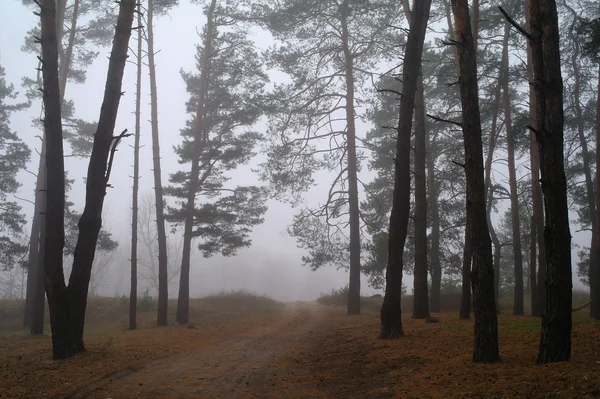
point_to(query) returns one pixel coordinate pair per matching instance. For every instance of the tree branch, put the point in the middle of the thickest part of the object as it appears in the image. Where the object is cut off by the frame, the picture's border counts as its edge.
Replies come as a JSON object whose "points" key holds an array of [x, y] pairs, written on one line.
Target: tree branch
{"points": [[435, 118], [516, 25]]}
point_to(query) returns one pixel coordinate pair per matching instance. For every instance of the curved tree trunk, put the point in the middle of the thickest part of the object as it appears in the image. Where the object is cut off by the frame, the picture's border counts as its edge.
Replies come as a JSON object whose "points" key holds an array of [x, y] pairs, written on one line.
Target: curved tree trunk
{"points": [[183, 301], [163, 272], [485, 348], [354, 283], [514, 195], [555, 341], [391, 321]]}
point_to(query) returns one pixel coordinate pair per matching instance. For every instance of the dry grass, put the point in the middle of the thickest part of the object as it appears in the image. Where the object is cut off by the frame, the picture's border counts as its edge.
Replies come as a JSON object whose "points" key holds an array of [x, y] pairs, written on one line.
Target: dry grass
{"points": [[248, 346]]}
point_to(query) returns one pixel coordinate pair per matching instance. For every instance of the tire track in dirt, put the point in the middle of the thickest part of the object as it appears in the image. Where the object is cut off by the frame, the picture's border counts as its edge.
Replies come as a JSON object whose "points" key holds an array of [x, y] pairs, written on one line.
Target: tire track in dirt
{"points": [[239, 366]]}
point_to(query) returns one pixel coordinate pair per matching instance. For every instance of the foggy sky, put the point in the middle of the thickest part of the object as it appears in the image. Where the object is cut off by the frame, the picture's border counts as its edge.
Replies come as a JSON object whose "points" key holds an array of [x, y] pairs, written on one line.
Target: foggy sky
{"points": [[273, 264]]}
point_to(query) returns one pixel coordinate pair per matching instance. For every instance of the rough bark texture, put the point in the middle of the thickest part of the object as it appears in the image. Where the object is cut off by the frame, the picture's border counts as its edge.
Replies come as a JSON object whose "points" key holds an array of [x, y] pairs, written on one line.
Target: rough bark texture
{"points": [[68, 303], [136, 181], [518, 305], [485, 348], [354, 283], [595, 268], [391, 321], [55, 178], [163, 283], [183, 301], [465, 298], [555, 341]]}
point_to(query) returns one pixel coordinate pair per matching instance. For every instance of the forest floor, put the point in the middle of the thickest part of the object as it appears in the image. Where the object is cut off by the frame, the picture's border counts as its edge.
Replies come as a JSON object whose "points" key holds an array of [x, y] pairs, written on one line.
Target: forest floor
{"points": [[299, 350]]}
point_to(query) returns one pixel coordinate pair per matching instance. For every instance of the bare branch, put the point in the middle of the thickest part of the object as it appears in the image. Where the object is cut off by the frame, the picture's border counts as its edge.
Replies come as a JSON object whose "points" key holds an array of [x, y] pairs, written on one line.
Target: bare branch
{"points": [[513, 23]]}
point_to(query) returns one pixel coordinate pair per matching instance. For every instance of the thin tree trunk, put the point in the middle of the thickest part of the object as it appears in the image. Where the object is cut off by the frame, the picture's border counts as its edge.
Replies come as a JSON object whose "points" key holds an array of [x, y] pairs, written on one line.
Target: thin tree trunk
{"points": [[535, 310], [420, 295], [391, 320], [595, 268], [434, 217], [183, 301], [354, 283], [34, 244], [512, 175], [465, 298], [585, 154], [163, 278], [555, 341], [136, 179], [68, 303], [485, 348]]}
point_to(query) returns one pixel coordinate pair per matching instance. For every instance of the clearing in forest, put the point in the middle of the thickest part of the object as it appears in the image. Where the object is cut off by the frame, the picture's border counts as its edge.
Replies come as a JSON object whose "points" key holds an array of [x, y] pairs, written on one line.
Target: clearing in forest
{"points": [[252, 347]]}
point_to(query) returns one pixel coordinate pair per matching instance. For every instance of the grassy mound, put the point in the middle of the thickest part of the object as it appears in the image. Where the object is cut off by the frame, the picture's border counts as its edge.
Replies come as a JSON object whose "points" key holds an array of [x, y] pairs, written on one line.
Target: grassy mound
{"points": [[105, 313]]}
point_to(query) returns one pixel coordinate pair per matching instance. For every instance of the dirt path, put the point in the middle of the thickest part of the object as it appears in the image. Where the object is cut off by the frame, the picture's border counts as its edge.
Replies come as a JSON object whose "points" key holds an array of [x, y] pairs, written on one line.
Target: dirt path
{"points": [[246, 364]]}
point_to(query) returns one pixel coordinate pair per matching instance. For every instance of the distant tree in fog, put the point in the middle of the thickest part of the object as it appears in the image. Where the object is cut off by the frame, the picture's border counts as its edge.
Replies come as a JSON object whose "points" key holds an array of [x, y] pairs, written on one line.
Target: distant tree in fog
{"points": [[158, 7], [330, 50], [225, 103], [14, 155]]}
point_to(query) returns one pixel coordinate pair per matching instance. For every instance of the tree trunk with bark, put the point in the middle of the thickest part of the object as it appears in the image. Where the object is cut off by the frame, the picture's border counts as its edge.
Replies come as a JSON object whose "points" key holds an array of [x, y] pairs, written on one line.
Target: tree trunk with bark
{"points": [[354, 283], [68, 303], [536, 190], [35, 312], [136, 180], [595, 268], [555, 341], [434, 218], [420, 288], [183, 301], [163, 272], [518, 305], [535, 310], [391, 320], [485, 348], [465, 298]]}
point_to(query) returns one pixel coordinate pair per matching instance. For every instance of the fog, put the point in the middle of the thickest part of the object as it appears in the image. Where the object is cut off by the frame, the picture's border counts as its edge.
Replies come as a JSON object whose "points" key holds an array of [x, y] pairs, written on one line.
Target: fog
{"points": [[272, 265]]}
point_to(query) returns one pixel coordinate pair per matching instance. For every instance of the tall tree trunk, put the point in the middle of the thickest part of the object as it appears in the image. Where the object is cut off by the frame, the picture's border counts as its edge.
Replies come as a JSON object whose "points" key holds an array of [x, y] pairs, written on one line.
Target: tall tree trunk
{"points": [[36, 296], [465, 298], [434, 217], [354, 283], [391, 320], [420, 289], [34, 243], [68, 303], [555, 341], [420, 294], [536, 189], [55, 176], [136, 180], [485, 348], [183, 301], [595, 268], [163, 278], [512, 175], [587, 170]]}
